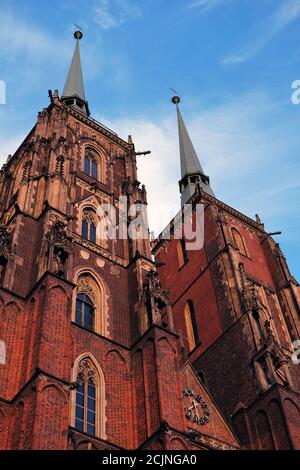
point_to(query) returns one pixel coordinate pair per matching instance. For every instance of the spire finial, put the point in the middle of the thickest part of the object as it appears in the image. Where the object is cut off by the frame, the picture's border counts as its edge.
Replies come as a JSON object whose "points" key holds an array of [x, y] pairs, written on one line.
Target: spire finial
{"points": [[78, 35]]}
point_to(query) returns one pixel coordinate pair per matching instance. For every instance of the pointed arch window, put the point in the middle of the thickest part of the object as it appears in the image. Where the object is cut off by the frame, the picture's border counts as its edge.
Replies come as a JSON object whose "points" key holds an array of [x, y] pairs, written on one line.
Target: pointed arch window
{"points": [[90, 307], [239, 241], [90, 163], [89, 225], [191, 325], [182, 252], [87, 390]]}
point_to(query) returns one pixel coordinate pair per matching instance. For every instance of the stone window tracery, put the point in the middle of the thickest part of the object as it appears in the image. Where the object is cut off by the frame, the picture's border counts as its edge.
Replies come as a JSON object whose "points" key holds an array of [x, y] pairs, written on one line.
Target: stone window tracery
{"points": [[91, 165], [87, 390]]}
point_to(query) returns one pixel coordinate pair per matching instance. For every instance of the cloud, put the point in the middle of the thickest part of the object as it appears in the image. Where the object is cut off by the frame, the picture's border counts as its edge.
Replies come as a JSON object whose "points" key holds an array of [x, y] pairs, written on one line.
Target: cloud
{"points": [[248, 145], [111, 14], [205, 5], [18, 37], [241, 146], [9, 146], [287, 13]]}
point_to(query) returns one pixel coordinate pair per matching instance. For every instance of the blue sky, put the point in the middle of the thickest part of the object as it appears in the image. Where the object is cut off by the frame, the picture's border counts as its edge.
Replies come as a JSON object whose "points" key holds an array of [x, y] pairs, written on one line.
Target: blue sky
{"points": [[232, 61]]}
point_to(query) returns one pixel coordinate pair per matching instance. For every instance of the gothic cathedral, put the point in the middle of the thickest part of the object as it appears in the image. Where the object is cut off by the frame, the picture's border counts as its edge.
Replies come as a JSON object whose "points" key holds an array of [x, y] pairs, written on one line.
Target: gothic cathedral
{"points": [[119, 343]]}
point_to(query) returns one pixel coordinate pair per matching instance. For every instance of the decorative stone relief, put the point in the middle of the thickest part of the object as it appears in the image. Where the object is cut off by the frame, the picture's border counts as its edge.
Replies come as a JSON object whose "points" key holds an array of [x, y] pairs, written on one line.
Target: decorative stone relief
{"points": [[193, 402]]}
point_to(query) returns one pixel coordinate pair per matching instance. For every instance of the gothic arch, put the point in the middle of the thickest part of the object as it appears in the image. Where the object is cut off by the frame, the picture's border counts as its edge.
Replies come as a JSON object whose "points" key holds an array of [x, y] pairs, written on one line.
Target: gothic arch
{"points": [[166, 340], [176, 443], [112, 352], [58, 287], [239, 241], [100, 393], [10, 304], [19, 171], [263, 431], [278, 425], [3, 429], [58, 389], [292, 411], [89, 282], [99, 154], [92, 207]]}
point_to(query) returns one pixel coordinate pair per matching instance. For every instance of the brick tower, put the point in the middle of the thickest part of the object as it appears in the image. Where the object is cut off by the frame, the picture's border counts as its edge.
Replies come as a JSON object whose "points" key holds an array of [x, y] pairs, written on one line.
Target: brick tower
{"points": [[90, 358], [237, 309]]}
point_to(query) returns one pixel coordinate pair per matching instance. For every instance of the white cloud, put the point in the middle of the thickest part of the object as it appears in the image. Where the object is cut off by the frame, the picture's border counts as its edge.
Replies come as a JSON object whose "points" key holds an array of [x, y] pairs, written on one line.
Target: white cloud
{"points": [[248, 145], [111, 14], [17, 36], [9, 146], [205, 5], [248, 155], [287, 12]]}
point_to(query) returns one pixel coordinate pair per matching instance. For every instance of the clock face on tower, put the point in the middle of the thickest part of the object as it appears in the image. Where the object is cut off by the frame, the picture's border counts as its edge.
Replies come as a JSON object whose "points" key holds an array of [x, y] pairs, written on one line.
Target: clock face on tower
{"points": [[196, 408]]}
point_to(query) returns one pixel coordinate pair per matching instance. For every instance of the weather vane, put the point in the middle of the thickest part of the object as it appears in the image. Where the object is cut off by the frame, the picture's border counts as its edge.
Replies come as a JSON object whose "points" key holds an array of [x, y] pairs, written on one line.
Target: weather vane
{"points": [[78, 34]]}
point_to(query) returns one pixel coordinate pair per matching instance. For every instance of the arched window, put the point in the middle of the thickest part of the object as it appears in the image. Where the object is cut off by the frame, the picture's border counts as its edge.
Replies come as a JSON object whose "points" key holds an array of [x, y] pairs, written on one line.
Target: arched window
{"points": [[90, 306], [191, 325], [239, 241], [182, 252], [84, 314], [89, 225], [87, 398], [90, 164]]}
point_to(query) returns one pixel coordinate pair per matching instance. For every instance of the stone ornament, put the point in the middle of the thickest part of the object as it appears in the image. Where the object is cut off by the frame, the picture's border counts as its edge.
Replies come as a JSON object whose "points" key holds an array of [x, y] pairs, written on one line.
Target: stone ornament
{"points": [[194, 401]]}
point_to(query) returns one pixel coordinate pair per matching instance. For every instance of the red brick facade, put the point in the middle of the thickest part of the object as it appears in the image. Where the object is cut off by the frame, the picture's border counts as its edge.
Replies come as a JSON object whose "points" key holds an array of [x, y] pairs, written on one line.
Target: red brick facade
{"points": [[247, 310], [132, 355]]}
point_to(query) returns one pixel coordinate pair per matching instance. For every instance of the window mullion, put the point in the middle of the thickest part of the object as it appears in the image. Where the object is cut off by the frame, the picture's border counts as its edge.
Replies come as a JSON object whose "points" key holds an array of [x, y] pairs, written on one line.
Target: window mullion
{"points": [[85, 405]]}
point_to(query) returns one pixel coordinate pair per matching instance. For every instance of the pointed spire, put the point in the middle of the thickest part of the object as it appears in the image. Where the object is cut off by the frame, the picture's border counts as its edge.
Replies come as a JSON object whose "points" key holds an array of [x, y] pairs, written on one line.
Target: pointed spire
{"points": [[73, 94], [192, 173]]}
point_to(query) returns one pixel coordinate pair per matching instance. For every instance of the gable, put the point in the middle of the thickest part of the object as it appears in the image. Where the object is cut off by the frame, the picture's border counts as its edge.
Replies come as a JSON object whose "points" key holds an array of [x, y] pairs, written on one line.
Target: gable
{"points": [[207, 419]]}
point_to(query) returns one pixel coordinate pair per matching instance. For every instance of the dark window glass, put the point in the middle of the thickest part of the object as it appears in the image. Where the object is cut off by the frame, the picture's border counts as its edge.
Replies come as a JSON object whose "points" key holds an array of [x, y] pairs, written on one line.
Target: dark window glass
{"points": [[184, 250], [87, 165], [91, 429], [85, 412], [88, 316], [93, 233], [94, 169], [79, 424], [92, 390], [194, 323], [84, 311], [85, 229], [80, 412]]}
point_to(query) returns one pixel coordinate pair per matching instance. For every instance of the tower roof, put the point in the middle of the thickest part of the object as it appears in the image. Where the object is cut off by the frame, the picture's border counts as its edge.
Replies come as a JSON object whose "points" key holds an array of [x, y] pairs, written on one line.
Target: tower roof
{"points": [[191, 170], [73, 93]]}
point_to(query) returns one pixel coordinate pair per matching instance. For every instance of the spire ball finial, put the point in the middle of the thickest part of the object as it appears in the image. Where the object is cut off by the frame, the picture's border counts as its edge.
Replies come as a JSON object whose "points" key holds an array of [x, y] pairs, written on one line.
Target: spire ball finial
{"points": [[176, 100], [78, 35]]}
